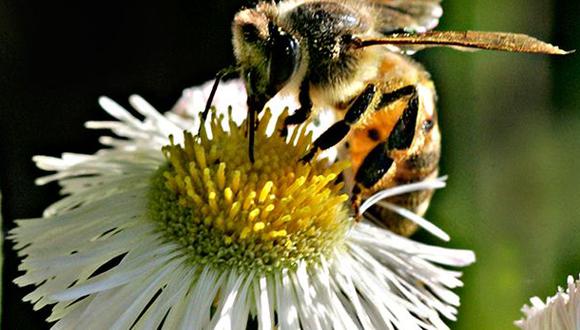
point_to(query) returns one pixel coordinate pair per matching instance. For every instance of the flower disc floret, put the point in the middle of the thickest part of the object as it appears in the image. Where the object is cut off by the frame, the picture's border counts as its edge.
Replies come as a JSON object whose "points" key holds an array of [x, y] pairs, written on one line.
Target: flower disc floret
{"points": [[262, 216]]}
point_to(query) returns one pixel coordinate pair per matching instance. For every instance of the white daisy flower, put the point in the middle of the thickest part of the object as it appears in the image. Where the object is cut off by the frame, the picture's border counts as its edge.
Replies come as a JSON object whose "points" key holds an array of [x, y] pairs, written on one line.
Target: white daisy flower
{"points": [[185, 233], [560, 312]]}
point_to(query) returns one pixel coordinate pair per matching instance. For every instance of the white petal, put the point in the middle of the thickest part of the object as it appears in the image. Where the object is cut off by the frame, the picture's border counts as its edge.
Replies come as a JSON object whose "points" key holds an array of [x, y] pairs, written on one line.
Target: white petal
{"points": [[177, 286], [264, 304], [224, 317], [121, 274], [200, 299], [117, 111], [285, 303], [416, 219], [310, 317], [402, 189]]}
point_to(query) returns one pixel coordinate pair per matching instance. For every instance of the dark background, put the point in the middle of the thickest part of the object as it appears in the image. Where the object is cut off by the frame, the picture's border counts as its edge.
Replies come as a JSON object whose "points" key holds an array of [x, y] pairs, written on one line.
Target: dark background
{"points": [[511, 125]]}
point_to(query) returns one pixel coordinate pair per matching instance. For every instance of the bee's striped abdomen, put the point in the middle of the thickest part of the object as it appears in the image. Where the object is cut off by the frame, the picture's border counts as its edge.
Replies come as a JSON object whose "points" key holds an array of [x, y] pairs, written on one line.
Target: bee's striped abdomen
{"points": [[396, 144]]}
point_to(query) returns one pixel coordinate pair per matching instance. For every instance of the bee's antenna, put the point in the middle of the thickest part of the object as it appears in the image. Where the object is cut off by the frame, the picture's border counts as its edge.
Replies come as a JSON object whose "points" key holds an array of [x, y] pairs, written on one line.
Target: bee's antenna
{"points": [[251, 133], [218, 77], [511, 42]]}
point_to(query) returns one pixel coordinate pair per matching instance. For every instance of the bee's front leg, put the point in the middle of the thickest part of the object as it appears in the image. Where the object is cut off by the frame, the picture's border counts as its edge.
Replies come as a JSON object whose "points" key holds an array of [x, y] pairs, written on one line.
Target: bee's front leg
{"points": [[368, 99], [301, 114]]}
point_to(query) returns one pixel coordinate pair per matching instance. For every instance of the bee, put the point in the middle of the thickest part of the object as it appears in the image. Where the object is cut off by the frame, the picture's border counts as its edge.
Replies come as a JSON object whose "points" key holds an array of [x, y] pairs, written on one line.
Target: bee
{"points": [[352, 57]]}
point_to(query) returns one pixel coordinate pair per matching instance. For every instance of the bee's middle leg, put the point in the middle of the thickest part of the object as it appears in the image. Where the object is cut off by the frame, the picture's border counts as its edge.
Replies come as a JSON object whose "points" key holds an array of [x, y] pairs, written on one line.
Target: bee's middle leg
{"points": [[333, 135]]}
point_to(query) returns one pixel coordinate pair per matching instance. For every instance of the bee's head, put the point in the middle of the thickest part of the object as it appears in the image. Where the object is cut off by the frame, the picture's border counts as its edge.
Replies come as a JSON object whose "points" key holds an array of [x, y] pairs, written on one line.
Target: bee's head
{"points": [[267, 55]]}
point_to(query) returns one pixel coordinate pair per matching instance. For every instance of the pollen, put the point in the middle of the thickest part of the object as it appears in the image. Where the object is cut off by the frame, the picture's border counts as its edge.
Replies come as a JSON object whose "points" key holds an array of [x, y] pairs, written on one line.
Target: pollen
{"points": [[226, 211]]}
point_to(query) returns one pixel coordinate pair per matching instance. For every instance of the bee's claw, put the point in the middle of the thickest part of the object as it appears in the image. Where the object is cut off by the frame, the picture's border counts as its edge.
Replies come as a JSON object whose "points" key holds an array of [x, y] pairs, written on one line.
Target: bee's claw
{"points": [[284, 131], [356, 201], [308, 157]]}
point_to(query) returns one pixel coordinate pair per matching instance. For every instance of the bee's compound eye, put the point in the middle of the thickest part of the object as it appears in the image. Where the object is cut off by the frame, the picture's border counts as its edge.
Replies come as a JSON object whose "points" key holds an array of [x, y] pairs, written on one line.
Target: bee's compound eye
{"points": [[284, 56]]}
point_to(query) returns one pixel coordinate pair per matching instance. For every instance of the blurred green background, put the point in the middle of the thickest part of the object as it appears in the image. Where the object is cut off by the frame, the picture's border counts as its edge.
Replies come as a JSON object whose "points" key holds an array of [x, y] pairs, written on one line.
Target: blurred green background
{"points": [[510, 124], [511, 148]]}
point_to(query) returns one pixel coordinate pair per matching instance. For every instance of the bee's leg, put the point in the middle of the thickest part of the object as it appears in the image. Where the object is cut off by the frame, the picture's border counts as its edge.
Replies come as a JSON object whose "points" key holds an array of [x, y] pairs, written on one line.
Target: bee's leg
{"points": [[218, 77], [374, 166], [397, 94], [356, 201], [337, 132], [302, 113], [255, 102], [251, 133], [403, 133]]}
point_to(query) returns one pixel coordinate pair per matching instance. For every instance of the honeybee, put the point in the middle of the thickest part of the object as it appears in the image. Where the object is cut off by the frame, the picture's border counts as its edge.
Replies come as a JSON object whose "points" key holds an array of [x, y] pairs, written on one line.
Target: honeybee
{"points": [[352, 57]]}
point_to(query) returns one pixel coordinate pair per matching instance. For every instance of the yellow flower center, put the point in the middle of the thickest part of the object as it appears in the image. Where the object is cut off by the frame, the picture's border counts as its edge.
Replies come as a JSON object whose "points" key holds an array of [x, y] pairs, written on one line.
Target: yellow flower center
{"points": [[228, 212]]}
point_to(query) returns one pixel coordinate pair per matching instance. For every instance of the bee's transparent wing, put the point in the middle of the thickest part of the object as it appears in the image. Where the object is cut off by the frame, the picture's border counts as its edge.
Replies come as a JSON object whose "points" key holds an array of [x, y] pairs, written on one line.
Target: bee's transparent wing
{"points": [[510, 42], [416, 16]]}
